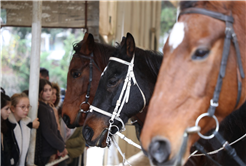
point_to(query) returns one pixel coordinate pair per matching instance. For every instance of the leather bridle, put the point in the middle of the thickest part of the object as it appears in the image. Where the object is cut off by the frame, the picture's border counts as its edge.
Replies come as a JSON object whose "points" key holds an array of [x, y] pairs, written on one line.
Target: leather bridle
{"points": [[87, 96], [229, 35]]}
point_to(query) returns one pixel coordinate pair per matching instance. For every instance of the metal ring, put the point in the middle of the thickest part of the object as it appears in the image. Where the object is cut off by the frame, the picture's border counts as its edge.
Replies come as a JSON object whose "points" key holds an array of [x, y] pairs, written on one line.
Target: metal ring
{"points": [[81, 110], [111, 121], [216, 129]]}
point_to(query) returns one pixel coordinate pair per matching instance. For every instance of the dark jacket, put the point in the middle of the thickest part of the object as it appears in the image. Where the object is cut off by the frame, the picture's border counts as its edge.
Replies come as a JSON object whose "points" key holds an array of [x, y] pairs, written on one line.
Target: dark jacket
{"points": [[17, 140], [2, 161], [5, 152], [51, 139]]}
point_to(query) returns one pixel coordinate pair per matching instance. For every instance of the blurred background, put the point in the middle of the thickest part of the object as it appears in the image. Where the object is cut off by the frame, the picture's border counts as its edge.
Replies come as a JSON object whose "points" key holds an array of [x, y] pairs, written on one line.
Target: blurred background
{"points": [[64, 24], [149, 22]]}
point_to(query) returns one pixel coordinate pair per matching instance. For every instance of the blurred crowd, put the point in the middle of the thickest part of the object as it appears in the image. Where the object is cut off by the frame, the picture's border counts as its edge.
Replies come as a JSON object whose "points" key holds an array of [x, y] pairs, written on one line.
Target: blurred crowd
{"points": [[53, 138]]}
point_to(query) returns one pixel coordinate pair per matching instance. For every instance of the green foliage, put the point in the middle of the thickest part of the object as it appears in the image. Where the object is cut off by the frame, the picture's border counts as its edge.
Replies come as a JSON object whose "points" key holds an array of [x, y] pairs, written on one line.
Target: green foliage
{"points": [[15, 58], [58, 69], [168, 18]]}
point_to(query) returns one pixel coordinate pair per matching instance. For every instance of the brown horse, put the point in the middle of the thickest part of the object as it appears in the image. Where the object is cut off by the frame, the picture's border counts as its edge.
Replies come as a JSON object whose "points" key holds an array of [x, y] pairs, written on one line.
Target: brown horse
{"points": [[86, 66], [188, 78]]}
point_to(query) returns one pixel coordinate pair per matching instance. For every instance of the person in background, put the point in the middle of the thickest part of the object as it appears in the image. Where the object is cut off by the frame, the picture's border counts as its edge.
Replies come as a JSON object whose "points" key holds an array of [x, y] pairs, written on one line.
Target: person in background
{"points": [[20, 126], [55, 99], [49, 141], [44, 73], [6, 157], [74, 140], [55, 94]]}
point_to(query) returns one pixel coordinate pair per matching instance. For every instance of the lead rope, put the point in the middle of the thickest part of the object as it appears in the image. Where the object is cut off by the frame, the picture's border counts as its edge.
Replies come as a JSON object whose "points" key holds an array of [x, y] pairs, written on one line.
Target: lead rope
{"points": [[218, 150], [118, 148]]}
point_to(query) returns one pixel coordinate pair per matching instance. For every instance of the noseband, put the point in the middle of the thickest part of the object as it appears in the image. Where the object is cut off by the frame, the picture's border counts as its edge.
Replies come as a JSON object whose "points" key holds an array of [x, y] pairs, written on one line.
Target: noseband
{"points": [[87, 96], [229, 35], [123, 98]]}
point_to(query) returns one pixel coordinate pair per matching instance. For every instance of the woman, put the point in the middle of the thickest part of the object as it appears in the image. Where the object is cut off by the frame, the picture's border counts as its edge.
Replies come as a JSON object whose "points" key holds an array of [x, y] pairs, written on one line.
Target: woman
{"points": [[55, 99], [49, 138]]}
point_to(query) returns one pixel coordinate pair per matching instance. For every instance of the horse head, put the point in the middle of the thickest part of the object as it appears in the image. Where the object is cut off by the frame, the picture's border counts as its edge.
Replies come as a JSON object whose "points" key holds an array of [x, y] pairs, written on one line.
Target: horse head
{"points": [[83, 76], [188, 78], [125, 88]]}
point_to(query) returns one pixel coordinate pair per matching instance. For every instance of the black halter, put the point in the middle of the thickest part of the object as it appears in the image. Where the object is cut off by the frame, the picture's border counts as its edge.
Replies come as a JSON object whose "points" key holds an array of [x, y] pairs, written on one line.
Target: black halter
{"points": [[87, 96], [229, 35]]}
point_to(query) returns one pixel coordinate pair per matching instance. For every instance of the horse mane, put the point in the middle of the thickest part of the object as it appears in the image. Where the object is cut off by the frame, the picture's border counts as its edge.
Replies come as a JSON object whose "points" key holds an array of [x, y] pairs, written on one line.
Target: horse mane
{"points": [[187, 4], [105, 50], [152, 59]]}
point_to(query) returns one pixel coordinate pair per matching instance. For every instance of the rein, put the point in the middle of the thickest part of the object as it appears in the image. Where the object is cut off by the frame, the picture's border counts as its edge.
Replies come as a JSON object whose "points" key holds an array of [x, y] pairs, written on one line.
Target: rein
{"points": [[229, 35], [123, 98]]}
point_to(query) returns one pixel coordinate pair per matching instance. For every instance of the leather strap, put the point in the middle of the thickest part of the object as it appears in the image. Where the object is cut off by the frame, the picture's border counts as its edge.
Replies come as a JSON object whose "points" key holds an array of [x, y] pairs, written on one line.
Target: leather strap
{"points": [[209, 13]]}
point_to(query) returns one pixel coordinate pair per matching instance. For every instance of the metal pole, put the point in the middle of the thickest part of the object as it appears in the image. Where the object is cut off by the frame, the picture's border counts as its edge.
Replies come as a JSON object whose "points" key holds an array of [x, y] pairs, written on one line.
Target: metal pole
{"points": [[34, 74]]}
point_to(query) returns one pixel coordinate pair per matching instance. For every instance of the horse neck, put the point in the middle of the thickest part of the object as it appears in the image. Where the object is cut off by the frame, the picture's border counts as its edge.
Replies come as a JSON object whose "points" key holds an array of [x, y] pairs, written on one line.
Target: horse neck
{"points": [[151, 61], [102, 54]]}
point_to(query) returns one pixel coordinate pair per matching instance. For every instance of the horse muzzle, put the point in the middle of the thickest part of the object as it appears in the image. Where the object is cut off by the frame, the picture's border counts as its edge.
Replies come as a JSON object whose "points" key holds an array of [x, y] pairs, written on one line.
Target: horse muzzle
{"points": [[66, 119], [100, 141]]}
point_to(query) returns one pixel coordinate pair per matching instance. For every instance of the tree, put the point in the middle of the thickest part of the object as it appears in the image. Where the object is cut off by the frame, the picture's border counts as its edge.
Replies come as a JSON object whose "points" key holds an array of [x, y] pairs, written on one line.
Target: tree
{"points": [[15, 57]]}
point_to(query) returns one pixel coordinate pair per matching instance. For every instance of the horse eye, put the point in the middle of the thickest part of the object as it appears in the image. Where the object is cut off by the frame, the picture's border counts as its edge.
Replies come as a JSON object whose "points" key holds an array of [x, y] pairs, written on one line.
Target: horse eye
{"points": [[75, 74], [112, 81], [200, 54]]}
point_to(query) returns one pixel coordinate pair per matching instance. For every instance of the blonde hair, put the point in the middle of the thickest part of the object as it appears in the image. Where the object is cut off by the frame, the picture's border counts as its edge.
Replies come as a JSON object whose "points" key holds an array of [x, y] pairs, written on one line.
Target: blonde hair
{"points": [[16, 98]]}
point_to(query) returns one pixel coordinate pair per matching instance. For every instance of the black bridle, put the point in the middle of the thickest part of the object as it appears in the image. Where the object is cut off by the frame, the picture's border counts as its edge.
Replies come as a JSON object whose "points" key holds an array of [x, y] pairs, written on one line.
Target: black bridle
{"points": [[87, 96], [229, 35]]}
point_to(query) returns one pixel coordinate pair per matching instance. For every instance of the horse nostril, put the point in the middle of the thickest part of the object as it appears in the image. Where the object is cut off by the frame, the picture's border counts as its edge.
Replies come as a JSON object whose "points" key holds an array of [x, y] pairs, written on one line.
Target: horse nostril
{"points": [[159, 151], [66, 119], [87, 133]]}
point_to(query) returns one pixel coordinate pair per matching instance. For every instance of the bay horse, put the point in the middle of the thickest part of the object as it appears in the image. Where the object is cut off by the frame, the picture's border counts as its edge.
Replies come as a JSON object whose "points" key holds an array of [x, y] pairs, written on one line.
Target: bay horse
{"points": [[124, 91], [188, 78], [86, 66]]}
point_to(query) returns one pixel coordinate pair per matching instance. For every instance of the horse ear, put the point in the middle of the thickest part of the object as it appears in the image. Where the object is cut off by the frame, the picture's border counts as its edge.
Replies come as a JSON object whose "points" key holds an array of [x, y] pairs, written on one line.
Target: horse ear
{"points": [[86, 36], [123, 40], [88, 43], [130, 45]]}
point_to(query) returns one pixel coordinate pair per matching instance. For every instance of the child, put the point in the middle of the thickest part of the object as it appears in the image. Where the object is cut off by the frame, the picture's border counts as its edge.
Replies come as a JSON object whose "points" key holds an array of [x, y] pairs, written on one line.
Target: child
{"points": [[51, 139], [20, 126], [5, 112]]}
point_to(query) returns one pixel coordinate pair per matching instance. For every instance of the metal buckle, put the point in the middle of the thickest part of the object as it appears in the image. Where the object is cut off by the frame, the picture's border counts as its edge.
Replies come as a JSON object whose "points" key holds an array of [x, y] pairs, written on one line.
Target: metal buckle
{"points": [[212, 103]]}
